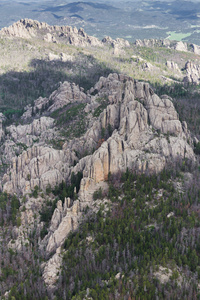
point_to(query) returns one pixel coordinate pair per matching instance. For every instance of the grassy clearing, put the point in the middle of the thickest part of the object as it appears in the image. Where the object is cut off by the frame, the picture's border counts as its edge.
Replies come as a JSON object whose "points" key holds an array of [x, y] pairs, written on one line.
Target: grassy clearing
{"points": [[178, 36]]}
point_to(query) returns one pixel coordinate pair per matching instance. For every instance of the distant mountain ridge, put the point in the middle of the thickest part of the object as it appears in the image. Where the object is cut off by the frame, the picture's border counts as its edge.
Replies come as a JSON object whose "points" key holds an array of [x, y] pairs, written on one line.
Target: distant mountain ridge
{"points": [[28, 28], [78, 6]]}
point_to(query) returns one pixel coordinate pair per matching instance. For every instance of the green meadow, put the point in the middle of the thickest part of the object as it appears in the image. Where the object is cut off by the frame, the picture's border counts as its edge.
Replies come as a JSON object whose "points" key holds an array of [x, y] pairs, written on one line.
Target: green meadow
{"points": [[178, 36]]}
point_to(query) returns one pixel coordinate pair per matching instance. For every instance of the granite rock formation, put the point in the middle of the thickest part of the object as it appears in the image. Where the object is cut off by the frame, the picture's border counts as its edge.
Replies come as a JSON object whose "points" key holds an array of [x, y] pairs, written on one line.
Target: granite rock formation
{"points": [[192, 73], [141, 131], [27, 28]]}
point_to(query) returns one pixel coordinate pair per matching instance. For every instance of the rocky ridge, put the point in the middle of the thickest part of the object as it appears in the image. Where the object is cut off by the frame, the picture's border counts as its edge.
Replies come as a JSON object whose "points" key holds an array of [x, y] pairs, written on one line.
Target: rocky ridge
{"points": [[135, 117], [135, 129], [152, 43], [27, 29], [64, 95], [177, 45]]}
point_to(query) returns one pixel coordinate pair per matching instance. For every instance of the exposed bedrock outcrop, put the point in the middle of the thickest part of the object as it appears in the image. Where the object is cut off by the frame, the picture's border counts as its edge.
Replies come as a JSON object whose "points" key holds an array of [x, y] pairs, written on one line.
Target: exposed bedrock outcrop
{"points": [[27, 28], [177, 45], [173, 66], [192, 73], [51, 270], [181, 46], [195, 48], [117, 44], [66, 93], [65, 219], [37, 166], [21, 29], [144, 131], [39, 128]]}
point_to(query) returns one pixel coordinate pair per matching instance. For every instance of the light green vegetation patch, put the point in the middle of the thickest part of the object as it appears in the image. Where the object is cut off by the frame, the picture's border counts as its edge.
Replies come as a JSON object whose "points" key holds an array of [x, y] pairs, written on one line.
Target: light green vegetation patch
{"points": [[178, 36]]}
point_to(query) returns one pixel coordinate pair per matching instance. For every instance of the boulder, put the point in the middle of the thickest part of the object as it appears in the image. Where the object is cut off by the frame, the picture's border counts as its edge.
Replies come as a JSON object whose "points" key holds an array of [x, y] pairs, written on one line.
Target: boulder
{"points": [[181, 46], [173, 66], [195, 48], [192, 73]]}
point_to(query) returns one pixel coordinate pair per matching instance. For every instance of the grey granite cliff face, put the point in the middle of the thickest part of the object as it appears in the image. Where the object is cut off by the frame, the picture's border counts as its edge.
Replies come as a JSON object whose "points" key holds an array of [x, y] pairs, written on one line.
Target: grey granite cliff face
{"points": [[144, 131], [192, 73]]}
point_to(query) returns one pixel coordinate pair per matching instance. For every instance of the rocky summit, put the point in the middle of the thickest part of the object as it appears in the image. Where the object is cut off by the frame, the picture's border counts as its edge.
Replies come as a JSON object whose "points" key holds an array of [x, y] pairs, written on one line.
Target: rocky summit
{"points": [[27, 29], [136, 130], [99, 166]]}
